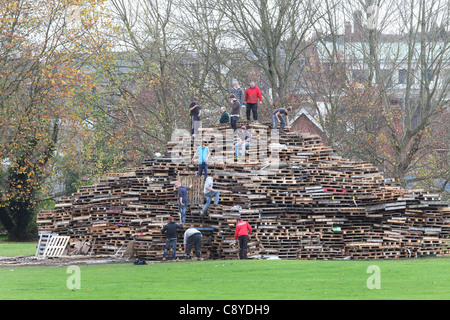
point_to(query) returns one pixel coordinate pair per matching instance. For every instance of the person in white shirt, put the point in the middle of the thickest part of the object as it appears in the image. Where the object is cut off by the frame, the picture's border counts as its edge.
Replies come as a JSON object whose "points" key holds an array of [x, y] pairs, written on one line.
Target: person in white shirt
{"points": [[210, 192], [192, 238]]}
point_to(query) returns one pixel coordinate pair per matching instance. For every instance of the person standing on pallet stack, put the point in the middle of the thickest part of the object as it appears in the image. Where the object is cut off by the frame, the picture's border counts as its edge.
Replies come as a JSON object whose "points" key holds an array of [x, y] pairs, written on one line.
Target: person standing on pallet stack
{"points": [[195, 112], [171, 238], [203, 156], [243, 229], [192, 238], [252, 96], [183, 199], [238, 94], [235, 111]]}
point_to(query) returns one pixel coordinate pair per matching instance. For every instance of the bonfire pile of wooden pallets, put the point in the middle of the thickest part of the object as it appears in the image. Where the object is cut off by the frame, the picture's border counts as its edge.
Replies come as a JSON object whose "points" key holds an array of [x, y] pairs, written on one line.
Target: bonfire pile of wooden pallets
{"points": [[302, 200]]}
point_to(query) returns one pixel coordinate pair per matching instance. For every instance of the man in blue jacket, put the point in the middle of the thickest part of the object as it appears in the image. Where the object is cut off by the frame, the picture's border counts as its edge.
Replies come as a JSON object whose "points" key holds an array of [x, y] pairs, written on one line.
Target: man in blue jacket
{"points": [[203, 156], [171, 237]]}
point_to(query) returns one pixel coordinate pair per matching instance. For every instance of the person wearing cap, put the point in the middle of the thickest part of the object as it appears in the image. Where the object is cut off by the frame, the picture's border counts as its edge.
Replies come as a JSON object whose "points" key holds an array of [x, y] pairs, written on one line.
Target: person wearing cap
{"points": [[243, 229], [243, 142], [170, 230]]}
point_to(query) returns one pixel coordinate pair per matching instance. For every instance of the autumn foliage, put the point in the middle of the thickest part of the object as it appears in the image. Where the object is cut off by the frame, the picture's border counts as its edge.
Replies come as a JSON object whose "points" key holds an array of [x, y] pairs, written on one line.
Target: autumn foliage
{"points": [[44, 49]]}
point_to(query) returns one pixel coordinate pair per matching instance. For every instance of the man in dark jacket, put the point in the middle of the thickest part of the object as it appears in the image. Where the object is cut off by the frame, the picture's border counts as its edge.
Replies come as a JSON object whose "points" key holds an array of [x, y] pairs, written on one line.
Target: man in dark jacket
{"points": [[183, 199], [171, 238], [235, 111], [195, 113]]}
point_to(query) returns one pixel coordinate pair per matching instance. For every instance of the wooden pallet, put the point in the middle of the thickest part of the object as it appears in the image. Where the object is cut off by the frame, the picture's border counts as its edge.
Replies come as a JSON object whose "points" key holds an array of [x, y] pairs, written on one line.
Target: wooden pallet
{"points": [[56, 246]]}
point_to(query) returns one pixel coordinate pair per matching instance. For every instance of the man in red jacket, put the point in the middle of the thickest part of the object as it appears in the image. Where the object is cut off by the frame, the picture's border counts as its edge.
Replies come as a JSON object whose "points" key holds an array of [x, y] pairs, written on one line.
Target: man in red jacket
{"points": [[243, 229], [252, 97]]}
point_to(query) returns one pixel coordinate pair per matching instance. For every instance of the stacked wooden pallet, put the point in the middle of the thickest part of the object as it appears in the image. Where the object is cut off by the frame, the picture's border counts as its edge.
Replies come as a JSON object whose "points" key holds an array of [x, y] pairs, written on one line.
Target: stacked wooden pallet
{"points": [[302, 200]]}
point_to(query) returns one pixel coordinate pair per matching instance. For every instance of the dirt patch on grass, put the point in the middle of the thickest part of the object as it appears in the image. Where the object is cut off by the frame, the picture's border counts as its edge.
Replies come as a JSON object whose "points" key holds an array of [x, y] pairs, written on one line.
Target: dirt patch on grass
{"points": [[60, 261]]}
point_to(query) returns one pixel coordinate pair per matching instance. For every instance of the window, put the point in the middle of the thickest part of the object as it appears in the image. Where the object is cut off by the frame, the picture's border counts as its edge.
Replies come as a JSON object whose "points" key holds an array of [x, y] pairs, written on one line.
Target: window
{"points": [[402, 76]]}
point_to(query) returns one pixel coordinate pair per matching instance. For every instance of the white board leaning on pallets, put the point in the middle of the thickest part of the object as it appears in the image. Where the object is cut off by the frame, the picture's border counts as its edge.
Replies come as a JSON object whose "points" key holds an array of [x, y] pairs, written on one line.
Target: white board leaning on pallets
{"points": [[56, 246]]}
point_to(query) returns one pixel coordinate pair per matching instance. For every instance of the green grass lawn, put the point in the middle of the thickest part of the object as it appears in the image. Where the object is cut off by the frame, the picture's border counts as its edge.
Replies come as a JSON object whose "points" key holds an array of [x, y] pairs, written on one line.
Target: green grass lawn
{"points": [[241, 280], [12, 249]]}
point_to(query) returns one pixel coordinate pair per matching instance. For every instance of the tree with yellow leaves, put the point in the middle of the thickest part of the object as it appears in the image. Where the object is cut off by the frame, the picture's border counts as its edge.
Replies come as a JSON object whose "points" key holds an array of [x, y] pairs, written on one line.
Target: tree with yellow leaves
{"points": [[44, 49]]}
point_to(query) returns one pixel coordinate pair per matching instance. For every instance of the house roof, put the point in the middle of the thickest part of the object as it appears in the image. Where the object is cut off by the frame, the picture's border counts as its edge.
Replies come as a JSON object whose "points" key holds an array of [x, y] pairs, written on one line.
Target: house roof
{"points": [[305, 112], [387, 51]]}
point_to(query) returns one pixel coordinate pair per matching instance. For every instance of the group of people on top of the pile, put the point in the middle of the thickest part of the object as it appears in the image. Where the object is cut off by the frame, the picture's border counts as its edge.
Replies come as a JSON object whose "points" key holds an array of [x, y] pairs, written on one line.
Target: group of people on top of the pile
{"points": [[251, 97], [238, 98], [193, 236]]}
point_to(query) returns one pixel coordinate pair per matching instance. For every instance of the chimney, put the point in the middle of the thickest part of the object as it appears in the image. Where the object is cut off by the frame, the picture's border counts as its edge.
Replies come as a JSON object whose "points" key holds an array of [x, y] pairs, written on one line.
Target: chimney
{"points": [[357, 25], [348, 29], [357, 19]]}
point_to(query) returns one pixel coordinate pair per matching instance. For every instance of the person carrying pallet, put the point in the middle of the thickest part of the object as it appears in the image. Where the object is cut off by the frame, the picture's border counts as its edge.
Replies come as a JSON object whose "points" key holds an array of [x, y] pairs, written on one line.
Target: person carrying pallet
{"points": [[243, 229]]}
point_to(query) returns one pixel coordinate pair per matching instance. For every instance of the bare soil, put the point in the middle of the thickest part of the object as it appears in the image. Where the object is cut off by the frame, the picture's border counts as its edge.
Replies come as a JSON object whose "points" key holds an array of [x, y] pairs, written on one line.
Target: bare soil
{"points": [[60, 261]]}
